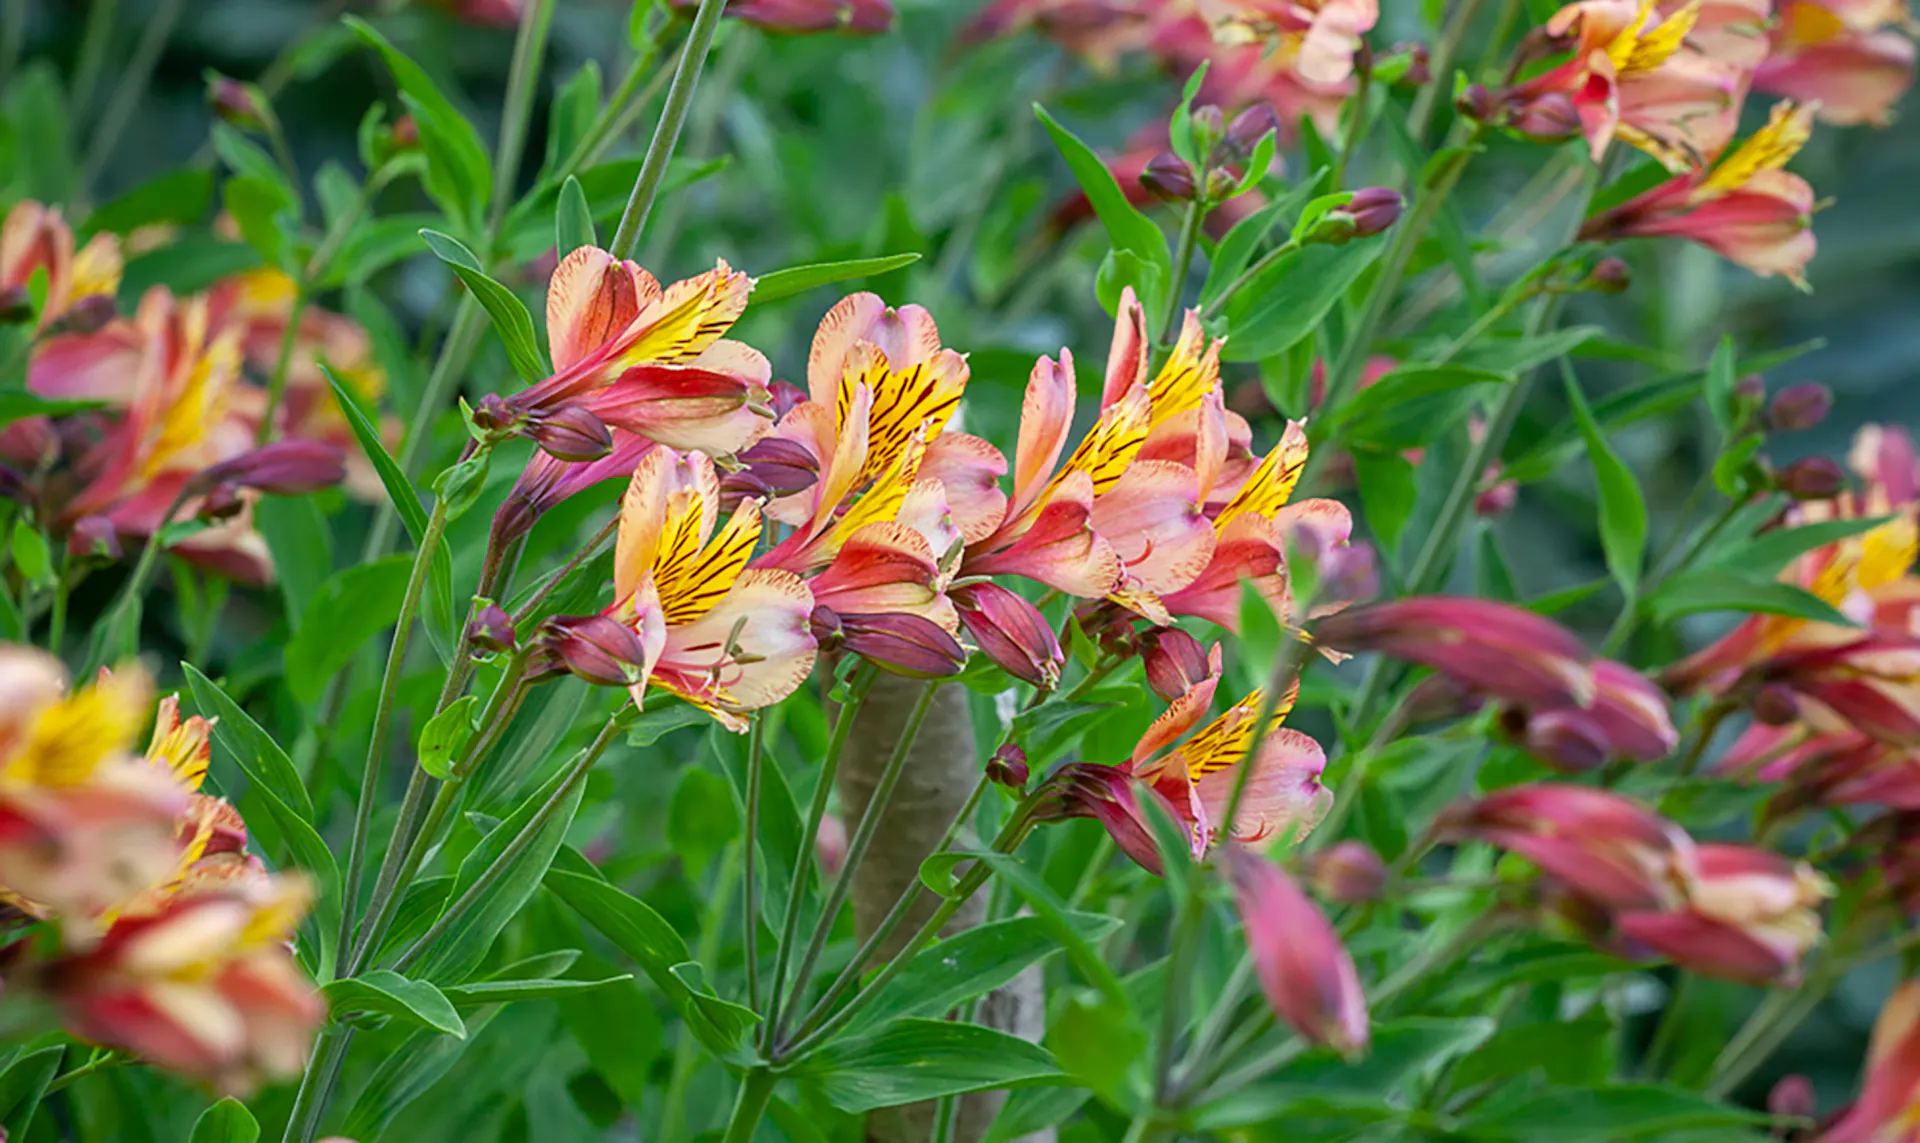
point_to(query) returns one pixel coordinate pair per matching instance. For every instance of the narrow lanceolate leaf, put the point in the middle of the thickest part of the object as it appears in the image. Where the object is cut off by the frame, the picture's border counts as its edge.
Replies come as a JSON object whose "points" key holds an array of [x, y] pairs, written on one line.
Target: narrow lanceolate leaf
{"points": [[1719, 385], [23, 1085], [1623, 510], [251, 747], [798, 279], [573, 223], [483, 992], [405, 500], [1771, 551], [458, 170], [1719, 589], [972, 964], [1126, 227], [912, 1060], [510, 318], [384, 993]]}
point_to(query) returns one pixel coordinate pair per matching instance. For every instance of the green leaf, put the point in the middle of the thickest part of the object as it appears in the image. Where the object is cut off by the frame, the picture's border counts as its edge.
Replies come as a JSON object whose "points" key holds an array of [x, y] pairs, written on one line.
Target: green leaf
{"points": [[23, 1085], [1126, 227], [1029, 1111], [1734, 471], [31, 554], [480, 992], [1769, 552], [510, 318], [1235, 252], [701, 819], [1097, 1042], [1717, 589], [384, 993], [458, 170], [1413, 406], [35, 132], [177, 197], [1519, 353], [652, 943], [445, 735], [644, 728], [187, 265], [1401, 1051], [798, 279], [1180, 127], [18, 405], [259, 208], [1387, 493], [1290, 299], [399, 489], [302, 548], [573, 224], [1606, 1115], [970, 964], [1623, 510], [405, 1073], [351, 607], [913, 1060], [1722, 376], [265, 764], [575, 108], [228, 1121], [1572, 1052], [1053, 912], [620, 1031], [1261, 637], [1121, 269]]}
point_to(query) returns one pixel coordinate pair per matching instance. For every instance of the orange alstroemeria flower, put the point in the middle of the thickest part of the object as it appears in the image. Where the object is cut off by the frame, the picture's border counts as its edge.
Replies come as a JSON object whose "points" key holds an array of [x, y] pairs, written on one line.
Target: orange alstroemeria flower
{"points": [[1844, 59], [1888, 1110], [725, 637], [1318, 37], [652, 361], [36, 237]]}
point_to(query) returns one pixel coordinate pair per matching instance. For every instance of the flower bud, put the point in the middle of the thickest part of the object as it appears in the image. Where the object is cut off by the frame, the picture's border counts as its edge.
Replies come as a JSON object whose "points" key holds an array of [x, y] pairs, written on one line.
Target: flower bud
{"points": [[781, 466], [1008, 767], [1246, 131], [1548, 118], [492, 415], [16, 306], [1799, 407], [89, 314], [406, 133], [1012, 632], [1374, 209], [1175, 662], [1168, 178], [94, 536], [1811, 478], [1307, 974], [1348, 872], [1419, 64], [491, 630], [824, 625], [1494, 648], [830, 844], [907, 645], [222, 502], [1750, 391], [1609, 276], [571, 433], [1476, 103], [283, 467], [1567, 740], [1792, 1098], [240, 104], [1209, 128], [1496, 498], [1775, 704], [596, 648]]}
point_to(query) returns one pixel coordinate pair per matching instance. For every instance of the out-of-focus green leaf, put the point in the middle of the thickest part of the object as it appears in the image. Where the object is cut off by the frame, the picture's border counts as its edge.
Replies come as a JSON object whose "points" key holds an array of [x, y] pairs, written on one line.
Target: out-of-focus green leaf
{"points": [[1771, 551], [253, 749], [186, 265], [510, 318], [351, 607], [302, 548], [1610, 1114], [1413, 406], [1289, 300], [23, 1085], [701, 818], [573, 223], [1718, 589], [178, 197], [1623, 510], [458, 175], [227, 1121]]}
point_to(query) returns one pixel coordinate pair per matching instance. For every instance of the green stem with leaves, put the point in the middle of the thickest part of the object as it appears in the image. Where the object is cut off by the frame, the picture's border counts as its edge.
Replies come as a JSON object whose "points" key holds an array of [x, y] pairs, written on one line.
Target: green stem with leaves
{"points": [[666, 136], [1183, 264]]}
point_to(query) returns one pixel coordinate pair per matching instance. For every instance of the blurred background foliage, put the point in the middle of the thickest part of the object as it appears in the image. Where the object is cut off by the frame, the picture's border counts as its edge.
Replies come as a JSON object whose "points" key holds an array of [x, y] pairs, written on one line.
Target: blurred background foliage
{"points": [[823, 148]]}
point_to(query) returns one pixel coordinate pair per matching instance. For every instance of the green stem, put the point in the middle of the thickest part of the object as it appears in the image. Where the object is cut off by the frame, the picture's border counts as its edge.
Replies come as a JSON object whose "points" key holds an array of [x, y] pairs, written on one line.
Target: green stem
{"points": [[93, 55], [686, 1051], [99, 1063], [1266, 262], [666, 136], [133, 85], [790, 924], [1182, 265], [1765, 1031], [750, 914], [57, 625], [756, 1090], [520, 843], [531, 607], [857, 848], [529, 45], [1179, 977], [383, 717], [316, 1084], [119, 641], [282, 363], [1440, 66]]}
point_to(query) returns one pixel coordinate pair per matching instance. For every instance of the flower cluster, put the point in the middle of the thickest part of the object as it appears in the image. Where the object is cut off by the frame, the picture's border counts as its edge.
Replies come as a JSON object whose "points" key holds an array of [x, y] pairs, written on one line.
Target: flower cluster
{"points": [[173, 940], [167, 421]]}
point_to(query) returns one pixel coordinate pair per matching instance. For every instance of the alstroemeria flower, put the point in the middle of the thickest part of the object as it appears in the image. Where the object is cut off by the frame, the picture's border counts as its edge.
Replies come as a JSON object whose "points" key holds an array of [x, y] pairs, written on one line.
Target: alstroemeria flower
{"points": [[85, 824], [1629, 76], [649, 360], [726, 638], [206, 986], [1626, 717], [1606, 848], [36, 237], [1888, 1109], [1746, 209], [1307, 974], [1839, 58], [1319, 37], [1748, 915], [1487, 647]]}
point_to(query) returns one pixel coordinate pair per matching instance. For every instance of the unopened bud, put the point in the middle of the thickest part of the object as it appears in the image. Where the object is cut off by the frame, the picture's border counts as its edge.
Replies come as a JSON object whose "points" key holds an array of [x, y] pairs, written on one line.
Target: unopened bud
{"points": [[1348, 872], [1496, 498], [782, 466], [1775, 704], [1247, 129], [596, 648], [1008, 767], [571, 433], [824, 625], [87, 315], [240, 104], [1751, 389], [1549, 118], [16, 306], [1567, 740], [1167, 177], [1799, 407], [1209, 128], [284, 468], [830, 844], [1476, 103], [907, 645], [491, 630], [1792, 1098], [221, 503], [1609, 276], [1419, 64], [1374, 209], [1175, 662], [492, 415], [460, 485], [406, 133], [1012, 632], [1812, 478], [95, 536]]}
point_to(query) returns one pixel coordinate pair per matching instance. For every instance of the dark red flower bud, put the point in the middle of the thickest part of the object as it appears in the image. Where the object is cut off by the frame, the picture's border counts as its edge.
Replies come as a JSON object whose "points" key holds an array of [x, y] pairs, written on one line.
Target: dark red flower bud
{"points": [[1799, 407], [1011, 632], [95, 536], [1175, 662], [1167, 177], [1247, 129], [1476, 103], [571, 433], [283, 467], [1374, 209], [1752, 389], [1609, 276], [1792, 1098], [406, 133], [785, 396], [824, 625], [596, 648], [1811, 478], [16, 306], [1775, 704], [13, 486], [1008, 767], [222, 502], [491, 630], [1496, 498], [240, 104], [1348, 872], [907, 645], [492, 414], [89, 314], [782, 466], [1419, 64], [1548, 118], [1570, 741]]}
